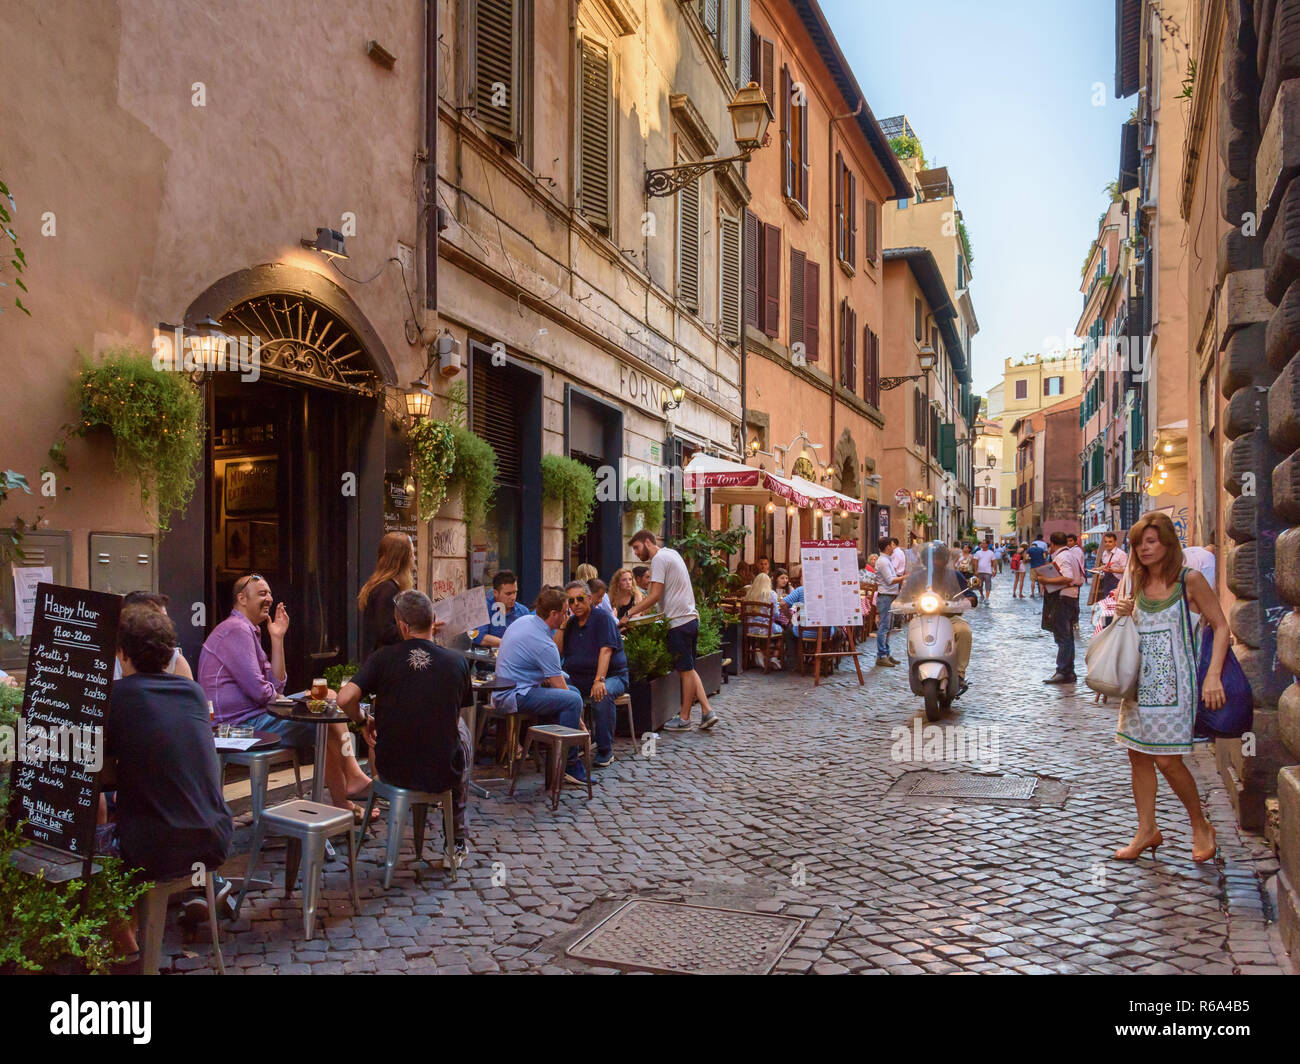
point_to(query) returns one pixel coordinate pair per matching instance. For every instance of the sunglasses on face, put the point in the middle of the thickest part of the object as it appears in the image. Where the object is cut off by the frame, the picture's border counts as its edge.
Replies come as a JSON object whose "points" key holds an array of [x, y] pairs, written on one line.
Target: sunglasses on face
{"points": [[577, 598]]}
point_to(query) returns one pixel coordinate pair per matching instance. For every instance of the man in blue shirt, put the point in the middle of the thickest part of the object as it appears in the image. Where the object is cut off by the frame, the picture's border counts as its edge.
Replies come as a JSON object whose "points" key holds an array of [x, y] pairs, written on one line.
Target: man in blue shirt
{"points": [[593, 657], [529, 658], [504, 608], [794, 600], [1037, 556]]}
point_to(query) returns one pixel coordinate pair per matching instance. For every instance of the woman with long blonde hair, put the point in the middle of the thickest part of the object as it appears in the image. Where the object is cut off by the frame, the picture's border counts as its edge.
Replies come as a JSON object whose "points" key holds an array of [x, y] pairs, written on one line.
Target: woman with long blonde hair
{"points": [[760, 590], [394, 573], [1157, 728], [623, 592]]}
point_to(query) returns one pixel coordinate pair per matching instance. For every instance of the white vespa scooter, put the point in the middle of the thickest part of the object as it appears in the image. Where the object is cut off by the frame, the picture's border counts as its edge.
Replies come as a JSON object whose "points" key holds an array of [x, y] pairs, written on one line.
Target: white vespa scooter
{"points": [[932, 646]]}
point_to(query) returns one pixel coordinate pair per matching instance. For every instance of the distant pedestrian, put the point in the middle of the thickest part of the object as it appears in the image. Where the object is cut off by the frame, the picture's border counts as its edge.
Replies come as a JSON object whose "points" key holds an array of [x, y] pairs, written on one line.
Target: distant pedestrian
{"points": [[1061, 607], [1110, 565], [1018, 562], [1158, 728], [1037, 552], [985, 565], [887, 587]]}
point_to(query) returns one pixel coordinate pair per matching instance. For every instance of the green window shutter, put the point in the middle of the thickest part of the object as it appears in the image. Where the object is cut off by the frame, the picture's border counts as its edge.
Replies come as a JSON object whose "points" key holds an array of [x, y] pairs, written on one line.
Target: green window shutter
{"points": [[948, 446]]}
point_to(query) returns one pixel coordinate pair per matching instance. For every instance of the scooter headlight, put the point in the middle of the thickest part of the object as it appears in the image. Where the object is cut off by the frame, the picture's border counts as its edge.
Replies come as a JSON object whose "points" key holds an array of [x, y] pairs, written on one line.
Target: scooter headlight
{"points": [[929, 603]]}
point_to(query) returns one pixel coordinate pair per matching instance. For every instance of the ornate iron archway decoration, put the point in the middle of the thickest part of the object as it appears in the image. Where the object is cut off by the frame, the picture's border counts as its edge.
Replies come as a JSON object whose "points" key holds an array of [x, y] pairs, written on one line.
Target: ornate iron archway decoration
{"points": [[301, 340]]}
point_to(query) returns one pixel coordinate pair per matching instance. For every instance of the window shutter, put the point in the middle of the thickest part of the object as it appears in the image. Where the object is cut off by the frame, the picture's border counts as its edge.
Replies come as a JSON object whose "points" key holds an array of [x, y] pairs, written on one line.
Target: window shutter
{"points": [[811, 309], [871, 352], [851, 232], [744, 61], [853, 349], [798, 277], [752, 250], [688, 246], [709, 12], [729, 277], [755, 55], [919, 326], [496, 63], [595, 154], [948, 446], [842, 318], [787, 115], [1046, 385], [769, 281], [871, 211], [803, 153], [839, 207], [767, 71]]}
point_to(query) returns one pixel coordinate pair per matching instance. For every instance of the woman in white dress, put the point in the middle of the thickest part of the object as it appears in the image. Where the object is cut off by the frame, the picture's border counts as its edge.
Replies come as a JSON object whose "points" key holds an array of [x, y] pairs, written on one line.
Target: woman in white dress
{"points": [[1157, 728]]}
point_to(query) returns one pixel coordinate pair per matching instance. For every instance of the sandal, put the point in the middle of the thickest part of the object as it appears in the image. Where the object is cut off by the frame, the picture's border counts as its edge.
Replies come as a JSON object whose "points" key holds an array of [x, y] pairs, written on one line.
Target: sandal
{"points": [[359, 813]]}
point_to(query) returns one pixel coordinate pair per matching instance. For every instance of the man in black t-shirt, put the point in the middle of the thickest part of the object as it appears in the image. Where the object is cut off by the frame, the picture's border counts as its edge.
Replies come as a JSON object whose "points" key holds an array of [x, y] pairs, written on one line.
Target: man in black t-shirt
{"points": [[415, 732]]}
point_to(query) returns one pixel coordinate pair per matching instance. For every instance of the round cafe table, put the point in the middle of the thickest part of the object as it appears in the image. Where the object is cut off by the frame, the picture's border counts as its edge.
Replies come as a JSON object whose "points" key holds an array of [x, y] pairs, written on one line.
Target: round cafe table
{"points": [[299, 711]]}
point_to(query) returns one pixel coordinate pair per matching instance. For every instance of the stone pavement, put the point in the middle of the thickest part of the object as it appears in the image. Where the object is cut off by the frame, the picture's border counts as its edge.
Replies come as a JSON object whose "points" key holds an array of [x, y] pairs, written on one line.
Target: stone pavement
{"points": [[783, 809]]}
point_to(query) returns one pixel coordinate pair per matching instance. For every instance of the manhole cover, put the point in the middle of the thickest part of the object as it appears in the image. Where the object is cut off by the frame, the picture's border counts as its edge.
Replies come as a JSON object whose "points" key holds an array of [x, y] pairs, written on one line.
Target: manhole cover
{"points": [[961, 785], [662, 936]]}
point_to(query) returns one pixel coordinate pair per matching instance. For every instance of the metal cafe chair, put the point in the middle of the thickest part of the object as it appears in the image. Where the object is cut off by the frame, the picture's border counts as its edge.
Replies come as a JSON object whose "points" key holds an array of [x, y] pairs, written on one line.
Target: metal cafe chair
{"points": [[402, 801]]}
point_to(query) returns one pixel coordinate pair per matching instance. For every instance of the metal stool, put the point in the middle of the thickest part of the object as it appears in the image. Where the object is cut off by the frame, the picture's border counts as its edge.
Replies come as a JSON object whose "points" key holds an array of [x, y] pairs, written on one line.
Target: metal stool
{"points": [[515, 720], [623, 701], [559, 739], [258, 763], [402, 800], [307, 826], [151, 914]]}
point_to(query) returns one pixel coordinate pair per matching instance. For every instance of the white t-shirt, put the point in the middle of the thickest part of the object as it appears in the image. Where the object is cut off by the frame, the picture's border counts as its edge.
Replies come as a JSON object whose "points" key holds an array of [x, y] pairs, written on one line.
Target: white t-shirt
{"points": [[1069, 567], [1202, 561], [1115, 560], [985, 560], [667, 568]]}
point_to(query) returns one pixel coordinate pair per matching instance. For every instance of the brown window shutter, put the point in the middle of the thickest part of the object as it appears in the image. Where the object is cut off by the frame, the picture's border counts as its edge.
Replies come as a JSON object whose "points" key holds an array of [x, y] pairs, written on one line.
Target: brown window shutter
{"points": [[729, 277], [767, 79], [853, 350], [595, 154], [811, 310], [871, 221], [787, 114], [496, 61], [839, 207], [840, 318], [803, 153], [798, 279], [769, 280], [920, 327], [756, 59], [851, 232], [752, 252]]}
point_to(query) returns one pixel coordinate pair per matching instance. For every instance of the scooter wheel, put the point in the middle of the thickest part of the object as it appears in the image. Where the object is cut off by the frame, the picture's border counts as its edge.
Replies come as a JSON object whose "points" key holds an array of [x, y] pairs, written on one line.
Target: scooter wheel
{"points": [[933, 710]]}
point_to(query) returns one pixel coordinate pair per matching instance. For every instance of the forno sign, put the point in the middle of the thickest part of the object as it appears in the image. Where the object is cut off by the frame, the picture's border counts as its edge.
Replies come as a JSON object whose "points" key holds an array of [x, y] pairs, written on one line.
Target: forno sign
{"points": [[641, 389]]}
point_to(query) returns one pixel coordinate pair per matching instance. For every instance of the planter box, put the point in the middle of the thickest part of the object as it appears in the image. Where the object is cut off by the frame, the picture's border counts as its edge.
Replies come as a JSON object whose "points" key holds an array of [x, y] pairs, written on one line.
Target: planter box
{"points": [[710, 669], [653, 702], [731, 647]]}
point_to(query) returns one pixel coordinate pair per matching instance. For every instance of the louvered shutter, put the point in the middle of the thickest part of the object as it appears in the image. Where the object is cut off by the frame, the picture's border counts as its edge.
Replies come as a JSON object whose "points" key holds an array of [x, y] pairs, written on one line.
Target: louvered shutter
{"points": [[498, 409], [803, 153], [496, 67], [755, 56], [709, 12], [871, 370], [720, 33], [769, 281], [871, 220], [787, 115], [752, 250], [767, 71], [688, 246], [811, 310], [729, 277], [853, 350], [798, 278], [851, 237], [595, 155], [920, 332], [839, 207], [841, 322], [744, 62]]}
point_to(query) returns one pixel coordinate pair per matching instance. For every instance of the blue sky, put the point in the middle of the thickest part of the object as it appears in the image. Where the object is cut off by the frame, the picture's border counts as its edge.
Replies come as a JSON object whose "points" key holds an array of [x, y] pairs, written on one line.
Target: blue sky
{"points": [[1001, 92]]}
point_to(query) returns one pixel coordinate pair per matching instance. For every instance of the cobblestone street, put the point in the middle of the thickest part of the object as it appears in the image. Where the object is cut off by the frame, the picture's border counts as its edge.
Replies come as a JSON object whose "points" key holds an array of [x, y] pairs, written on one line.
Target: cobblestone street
{"points": [[784, 809]]}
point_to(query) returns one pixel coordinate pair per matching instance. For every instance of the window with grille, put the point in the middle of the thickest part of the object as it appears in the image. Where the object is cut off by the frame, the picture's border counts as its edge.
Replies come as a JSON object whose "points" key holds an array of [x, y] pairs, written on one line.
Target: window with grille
{"points": [[595, 134], [496, 81]]}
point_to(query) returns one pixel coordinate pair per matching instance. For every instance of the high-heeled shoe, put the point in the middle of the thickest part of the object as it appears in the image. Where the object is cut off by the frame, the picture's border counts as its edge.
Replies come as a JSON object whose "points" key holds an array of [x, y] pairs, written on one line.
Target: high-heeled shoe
{"points": [[1155, 840], [1201, 856]]}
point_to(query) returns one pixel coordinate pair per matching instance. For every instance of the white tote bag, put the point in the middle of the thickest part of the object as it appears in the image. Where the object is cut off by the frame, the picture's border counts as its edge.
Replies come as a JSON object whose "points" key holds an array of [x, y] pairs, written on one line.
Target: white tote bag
{"points": [[1114, 657]]}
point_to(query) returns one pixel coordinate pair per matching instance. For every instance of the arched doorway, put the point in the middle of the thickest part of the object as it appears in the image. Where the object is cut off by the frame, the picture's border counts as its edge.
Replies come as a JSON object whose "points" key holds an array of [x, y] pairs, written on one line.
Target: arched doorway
{"points": [[293, 479], [845, 464]]}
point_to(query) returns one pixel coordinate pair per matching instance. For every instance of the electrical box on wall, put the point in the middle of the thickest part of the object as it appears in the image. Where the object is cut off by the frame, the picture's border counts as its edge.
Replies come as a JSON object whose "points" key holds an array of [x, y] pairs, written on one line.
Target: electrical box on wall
{"points": [[40, 548], [122, 562]]}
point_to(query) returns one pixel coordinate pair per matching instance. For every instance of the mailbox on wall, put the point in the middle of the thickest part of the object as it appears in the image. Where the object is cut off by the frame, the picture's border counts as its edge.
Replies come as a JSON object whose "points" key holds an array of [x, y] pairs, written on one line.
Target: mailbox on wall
{"points": [[122, 562]]}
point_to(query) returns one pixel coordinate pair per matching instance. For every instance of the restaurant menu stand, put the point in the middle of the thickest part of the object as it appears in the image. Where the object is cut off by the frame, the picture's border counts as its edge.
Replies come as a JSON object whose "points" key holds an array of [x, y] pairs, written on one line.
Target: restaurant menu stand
{"points": [[832, 591], [69, 676]]}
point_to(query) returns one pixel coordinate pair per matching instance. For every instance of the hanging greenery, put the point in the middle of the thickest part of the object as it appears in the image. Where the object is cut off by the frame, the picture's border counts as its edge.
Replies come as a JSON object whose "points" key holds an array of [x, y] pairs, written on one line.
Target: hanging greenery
{"points": [[433, 457], [646, 498], [908, 146], [569, 482], [156, 418], [475, 473], [16, 258]]}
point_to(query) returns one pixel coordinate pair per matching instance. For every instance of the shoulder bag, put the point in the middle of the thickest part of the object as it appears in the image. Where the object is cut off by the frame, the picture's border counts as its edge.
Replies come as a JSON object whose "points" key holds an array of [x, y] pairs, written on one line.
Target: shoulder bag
{"points": [[1237, 714], [1114, 657]]}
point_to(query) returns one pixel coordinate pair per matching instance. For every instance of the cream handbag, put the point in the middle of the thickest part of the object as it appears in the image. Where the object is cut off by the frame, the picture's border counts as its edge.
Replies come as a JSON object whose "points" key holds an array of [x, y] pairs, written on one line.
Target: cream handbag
{"points": [[1114, 657]]}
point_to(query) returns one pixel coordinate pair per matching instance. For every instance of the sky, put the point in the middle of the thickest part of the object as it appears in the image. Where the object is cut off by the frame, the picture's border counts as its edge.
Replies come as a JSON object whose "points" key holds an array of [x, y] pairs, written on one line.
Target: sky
{"points": [[1002, 93]]}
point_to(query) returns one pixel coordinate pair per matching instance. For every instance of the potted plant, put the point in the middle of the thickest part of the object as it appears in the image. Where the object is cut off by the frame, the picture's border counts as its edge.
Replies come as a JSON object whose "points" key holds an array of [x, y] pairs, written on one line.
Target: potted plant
{"points": [[655, 691], [708, 649]]}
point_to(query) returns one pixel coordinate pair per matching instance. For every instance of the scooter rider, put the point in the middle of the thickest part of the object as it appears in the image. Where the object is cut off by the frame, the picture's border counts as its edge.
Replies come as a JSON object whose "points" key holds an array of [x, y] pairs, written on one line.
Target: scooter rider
{"points": [[937, 573]]}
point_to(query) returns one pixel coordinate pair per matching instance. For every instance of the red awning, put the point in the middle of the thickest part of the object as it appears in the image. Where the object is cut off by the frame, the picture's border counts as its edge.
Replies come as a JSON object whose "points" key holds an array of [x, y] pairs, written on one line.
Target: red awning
{"points": [[734, 484]]}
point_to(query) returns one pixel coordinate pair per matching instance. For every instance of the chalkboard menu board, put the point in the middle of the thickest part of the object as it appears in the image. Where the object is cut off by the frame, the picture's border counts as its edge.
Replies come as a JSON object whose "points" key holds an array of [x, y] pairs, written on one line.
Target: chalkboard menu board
{"points": [[65, 708]]}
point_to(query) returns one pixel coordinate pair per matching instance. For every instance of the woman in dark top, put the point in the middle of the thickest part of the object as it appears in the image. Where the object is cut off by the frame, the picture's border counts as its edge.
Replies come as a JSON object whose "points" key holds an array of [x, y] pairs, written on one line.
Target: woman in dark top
{"points": [[394, 573]]}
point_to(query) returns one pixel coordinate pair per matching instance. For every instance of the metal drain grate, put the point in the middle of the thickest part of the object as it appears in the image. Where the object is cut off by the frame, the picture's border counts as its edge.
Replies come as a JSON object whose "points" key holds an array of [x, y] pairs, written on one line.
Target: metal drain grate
{"points": [[961, 785], [673, 937]]}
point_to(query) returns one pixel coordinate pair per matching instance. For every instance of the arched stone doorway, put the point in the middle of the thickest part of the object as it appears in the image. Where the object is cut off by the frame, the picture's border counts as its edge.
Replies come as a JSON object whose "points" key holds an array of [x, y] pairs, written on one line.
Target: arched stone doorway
{"points": [[844, 465], [294, 469]]}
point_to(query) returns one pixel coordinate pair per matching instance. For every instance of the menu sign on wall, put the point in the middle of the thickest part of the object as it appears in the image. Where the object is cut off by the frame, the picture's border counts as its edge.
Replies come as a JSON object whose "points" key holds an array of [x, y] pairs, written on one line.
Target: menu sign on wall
{"points": [[832, 582], [52, 786]]}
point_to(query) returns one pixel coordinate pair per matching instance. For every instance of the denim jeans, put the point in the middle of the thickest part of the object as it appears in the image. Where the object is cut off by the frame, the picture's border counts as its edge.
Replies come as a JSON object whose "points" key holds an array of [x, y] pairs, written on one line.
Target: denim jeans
{"points": [[553, 705], [1064, 615], [604, 713], [884, 603]]}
